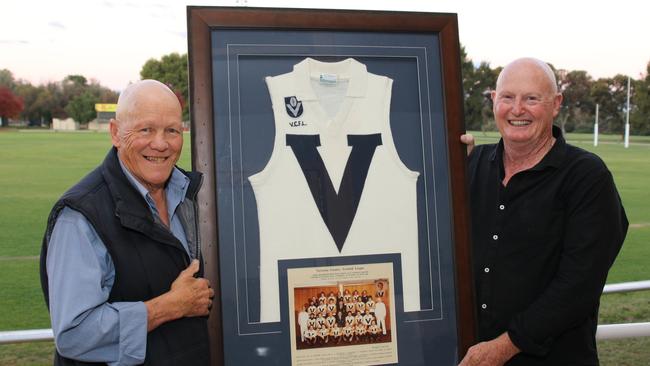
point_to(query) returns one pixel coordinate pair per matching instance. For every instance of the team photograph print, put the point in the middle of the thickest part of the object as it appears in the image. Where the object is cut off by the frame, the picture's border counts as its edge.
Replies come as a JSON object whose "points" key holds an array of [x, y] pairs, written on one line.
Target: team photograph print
{"points": [[342, 314]]}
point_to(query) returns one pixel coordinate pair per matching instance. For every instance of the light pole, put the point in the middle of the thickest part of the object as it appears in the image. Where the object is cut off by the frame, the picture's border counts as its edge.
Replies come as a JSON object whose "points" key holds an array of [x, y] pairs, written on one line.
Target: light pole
{"points": [[596, 128]]}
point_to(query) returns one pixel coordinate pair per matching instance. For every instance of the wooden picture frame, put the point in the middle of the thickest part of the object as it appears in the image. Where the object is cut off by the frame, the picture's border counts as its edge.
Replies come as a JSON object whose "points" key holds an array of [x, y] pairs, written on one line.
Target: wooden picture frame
{"points": [[264, 40]]}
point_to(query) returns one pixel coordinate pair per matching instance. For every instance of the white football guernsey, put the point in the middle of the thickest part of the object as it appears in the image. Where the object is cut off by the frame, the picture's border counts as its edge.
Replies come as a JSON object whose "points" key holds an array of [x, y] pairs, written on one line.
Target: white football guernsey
{"points": [[334, 184]]}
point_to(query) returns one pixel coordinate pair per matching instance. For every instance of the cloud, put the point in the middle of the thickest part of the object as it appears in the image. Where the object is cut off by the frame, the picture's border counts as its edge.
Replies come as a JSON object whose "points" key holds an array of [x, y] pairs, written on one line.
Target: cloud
{"points": [[55, 24]]}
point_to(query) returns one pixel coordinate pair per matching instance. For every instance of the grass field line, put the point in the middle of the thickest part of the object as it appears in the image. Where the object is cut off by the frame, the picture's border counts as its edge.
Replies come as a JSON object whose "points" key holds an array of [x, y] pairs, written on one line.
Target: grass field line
{"points": [[639, 225], [20, 258]]}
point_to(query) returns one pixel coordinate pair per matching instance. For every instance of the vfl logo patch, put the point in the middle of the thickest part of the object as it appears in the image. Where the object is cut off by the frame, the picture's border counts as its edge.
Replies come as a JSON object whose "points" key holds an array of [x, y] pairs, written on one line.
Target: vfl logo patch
{"points": [[293, 106]]}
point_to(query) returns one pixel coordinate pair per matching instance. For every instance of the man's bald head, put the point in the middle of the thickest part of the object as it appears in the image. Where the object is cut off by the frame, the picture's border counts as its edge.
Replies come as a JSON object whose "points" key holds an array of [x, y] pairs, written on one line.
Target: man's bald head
{"points": [[530, 65], [142, 92]]}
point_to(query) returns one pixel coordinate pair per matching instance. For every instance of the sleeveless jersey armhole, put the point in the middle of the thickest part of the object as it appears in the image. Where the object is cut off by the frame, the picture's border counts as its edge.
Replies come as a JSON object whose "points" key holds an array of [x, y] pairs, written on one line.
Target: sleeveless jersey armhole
{"points": [[260, 177], [410, 174]]}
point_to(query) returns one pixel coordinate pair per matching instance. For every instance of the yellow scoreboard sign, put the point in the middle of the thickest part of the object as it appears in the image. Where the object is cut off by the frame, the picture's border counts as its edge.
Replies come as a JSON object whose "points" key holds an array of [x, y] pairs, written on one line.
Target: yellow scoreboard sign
{"points": [[104, 107]]}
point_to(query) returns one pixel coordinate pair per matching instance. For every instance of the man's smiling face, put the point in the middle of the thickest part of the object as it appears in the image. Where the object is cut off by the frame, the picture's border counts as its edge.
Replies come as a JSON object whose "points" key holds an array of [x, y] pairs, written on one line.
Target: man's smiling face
{"points": [[525, 103], [148, 134]]}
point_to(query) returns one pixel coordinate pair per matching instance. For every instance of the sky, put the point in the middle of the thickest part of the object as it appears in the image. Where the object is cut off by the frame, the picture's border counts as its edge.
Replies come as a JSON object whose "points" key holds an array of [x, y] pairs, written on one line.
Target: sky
{"points": [[110, 40]]}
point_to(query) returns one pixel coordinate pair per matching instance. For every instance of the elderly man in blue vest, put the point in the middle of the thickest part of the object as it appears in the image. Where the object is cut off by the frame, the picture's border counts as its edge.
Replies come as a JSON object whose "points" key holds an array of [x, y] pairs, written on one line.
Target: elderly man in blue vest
{"points": [[121, 264]]}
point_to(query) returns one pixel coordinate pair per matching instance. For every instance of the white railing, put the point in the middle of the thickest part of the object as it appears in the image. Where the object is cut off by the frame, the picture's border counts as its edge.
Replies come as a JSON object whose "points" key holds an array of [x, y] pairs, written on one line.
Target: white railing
{"points": [[605, 331], [625, 330], [20, 336], [627, 287]]}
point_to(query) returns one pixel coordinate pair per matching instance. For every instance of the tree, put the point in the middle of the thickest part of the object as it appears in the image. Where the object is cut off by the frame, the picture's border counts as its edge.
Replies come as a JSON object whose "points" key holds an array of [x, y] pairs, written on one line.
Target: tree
{"points": [[10, 105], [640, 115], [42, 103], [82, 107], [7, 79], [75, 80], [171, 70], [477, 85], [103, 94], [72, 86], [577, 104]]}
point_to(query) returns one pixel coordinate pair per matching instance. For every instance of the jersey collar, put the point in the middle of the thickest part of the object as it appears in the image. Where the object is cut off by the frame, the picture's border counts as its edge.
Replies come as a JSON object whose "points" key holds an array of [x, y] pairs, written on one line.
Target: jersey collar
{"points": [[348, 69]]}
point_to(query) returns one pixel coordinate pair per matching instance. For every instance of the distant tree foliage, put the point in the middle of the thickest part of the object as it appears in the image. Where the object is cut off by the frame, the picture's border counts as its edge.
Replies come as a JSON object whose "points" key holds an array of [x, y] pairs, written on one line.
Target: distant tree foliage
{"points": [[581, 94], [478, 83], [171, 70], [81, 108], [10, 105], [577, 104], [42, 103], [640, 113], [7, 79], [75, 96]]}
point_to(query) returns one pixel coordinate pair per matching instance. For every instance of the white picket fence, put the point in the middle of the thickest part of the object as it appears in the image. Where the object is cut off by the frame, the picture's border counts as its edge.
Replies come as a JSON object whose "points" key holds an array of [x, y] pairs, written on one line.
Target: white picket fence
{"points": [[605, 331]]}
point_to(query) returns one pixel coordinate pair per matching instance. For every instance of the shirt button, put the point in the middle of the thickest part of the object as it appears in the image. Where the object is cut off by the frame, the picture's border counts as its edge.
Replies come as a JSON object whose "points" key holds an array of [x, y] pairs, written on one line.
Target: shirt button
{"points": [[495, 237], [502, 207], [486, 269], [483, 306]]}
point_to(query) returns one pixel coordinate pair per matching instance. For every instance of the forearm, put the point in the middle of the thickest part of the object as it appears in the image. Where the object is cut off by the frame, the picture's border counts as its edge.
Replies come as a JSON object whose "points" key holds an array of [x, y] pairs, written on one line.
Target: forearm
{"points": [[491, 353], [160, 310], [188, 296], [506, 348]]}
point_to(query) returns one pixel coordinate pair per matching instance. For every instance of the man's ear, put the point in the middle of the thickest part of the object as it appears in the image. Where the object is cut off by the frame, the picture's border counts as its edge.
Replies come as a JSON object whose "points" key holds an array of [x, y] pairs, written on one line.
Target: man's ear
{"points": [[114, 129], [557, 104]]}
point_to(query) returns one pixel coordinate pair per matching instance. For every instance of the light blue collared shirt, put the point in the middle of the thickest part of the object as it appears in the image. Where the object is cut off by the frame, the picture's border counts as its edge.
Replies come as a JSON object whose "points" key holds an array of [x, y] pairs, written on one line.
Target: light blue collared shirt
{"points": [[80, 277]]}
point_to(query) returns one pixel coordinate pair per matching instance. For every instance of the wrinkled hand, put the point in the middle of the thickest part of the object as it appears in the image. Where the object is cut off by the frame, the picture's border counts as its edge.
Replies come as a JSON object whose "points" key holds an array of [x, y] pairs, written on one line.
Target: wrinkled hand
{"points": [[192, 295], [188, 296], [492, 353], [468, 139]]}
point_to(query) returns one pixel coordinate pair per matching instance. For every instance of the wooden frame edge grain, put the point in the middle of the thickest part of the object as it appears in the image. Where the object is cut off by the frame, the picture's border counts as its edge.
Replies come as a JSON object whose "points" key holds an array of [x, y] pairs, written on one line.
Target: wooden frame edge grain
{"points": [[200, 86], [453, 95]]}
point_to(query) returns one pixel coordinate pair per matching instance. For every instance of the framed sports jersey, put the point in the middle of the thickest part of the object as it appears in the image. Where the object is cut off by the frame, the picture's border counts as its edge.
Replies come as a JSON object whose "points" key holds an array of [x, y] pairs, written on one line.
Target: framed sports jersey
{"points": [[333, 210]]}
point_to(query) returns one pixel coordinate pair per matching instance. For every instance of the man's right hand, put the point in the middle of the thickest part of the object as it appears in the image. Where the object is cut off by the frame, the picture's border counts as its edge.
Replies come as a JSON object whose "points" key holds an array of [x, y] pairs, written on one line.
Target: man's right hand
{"points": [[468, 139], [188, 296], [192, 295]]}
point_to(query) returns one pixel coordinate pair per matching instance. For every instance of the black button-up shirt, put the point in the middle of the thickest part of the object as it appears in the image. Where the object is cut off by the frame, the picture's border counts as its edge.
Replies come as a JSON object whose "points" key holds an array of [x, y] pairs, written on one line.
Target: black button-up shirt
{"points": [[542, 247]]}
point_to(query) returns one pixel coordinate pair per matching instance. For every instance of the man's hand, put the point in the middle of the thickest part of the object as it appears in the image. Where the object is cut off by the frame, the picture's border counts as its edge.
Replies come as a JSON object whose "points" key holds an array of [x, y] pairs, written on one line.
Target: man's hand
{"points": [[493, 353], [468, 139], [192, 295], [188, 296]]}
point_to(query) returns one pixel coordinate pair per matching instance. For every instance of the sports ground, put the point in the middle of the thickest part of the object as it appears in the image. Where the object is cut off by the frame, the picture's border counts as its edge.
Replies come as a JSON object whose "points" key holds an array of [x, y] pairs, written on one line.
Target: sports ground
{"points": [[36, 167]]}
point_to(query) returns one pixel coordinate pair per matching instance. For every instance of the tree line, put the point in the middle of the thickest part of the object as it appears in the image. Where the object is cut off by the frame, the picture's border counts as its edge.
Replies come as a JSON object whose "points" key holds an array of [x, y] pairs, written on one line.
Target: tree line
{"points": [[75, 97], [581, 95]]}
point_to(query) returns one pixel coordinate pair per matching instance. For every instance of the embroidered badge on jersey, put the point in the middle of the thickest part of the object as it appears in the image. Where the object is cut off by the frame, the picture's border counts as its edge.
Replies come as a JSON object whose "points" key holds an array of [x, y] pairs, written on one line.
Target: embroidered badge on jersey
{"points": [[293, 106]]}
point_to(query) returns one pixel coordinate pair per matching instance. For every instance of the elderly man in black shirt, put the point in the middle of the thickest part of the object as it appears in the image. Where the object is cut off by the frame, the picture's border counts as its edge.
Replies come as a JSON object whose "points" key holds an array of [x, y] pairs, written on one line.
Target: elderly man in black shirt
{"points": [[547, 226]]}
